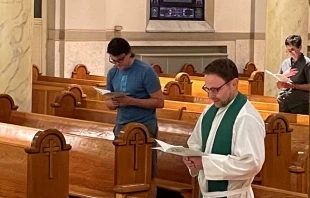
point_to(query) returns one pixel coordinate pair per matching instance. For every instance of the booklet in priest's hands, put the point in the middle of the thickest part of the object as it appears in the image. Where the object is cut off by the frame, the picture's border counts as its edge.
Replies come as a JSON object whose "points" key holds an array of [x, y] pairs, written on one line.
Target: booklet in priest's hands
{"points": [[109, 93], [177, 150], [279, 77]]}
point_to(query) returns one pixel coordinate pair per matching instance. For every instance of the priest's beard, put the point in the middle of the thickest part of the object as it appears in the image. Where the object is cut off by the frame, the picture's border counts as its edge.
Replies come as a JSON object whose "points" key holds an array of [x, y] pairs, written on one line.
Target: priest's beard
{"points": [[223, 103]]}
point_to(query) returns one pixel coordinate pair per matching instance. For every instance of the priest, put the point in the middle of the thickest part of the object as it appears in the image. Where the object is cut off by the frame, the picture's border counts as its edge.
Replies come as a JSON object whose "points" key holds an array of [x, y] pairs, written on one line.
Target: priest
{"points": [[231, 132]]}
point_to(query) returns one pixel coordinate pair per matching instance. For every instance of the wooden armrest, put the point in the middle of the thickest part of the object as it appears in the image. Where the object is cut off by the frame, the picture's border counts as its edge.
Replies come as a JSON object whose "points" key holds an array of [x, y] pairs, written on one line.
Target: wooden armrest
{"points": [[101, 85], [296, 169], [76, 191], [121, 189], [174, 186]]}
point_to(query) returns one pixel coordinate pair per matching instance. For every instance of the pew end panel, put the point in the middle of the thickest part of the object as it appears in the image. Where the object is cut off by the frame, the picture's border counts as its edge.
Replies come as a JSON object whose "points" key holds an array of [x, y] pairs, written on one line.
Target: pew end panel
{"points": [[78, 91], [157, 69], [256, 83], [190, 70], [80, 71], [172, 90], [65, 104], [35, 72], [249, 68], [49, 147], [7, 106], [27, 169], [134, 158], [278, 152], [185, 82]]}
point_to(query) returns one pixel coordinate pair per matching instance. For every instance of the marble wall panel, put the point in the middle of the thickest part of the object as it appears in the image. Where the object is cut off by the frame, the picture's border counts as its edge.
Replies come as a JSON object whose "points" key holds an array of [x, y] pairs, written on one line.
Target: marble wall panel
{"points": [[16, 23]]}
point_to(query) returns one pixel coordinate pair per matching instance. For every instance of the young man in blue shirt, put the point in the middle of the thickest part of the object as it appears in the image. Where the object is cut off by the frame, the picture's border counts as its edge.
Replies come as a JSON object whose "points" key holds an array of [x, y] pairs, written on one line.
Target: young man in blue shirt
{"points": [[142, 85]]}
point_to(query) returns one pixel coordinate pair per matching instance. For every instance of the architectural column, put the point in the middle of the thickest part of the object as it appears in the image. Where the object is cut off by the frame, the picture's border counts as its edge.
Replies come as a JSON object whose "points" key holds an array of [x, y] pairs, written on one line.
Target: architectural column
{"points": [[283, 19], [16, 23]]}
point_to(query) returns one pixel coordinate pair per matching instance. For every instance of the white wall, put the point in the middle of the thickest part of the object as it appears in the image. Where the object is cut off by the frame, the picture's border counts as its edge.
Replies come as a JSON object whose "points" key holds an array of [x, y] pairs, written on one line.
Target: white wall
{"points": [[85, 14], [127, 13], [260, 16], [232, 16]]}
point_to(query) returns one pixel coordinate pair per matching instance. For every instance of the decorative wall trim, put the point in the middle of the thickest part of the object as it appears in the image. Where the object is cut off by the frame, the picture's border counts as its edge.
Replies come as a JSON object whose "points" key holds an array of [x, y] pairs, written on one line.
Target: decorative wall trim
{"points": [[101, 35]]}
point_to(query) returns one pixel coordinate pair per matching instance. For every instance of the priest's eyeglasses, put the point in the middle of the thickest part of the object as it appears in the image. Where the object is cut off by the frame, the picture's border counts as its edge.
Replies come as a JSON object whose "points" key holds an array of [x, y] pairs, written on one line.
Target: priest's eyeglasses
{"points": [[214, 90]]}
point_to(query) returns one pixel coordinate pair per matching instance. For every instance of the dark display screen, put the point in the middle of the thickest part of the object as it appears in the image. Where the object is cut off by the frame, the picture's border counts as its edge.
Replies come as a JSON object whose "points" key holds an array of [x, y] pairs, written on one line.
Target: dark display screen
{"points": [[177, 10], [177, 1]]}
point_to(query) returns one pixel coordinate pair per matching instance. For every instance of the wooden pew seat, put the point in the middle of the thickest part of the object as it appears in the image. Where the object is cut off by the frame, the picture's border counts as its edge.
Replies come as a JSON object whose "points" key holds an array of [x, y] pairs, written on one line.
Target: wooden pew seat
{"points": [[267, 192]]}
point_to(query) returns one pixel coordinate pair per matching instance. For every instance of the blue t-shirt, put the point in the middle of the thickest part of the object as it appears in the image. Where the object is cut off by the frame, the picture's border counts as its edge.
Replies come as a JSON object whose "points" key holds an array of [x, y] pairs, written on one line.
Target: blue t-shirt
{"points": [[139, 81]]}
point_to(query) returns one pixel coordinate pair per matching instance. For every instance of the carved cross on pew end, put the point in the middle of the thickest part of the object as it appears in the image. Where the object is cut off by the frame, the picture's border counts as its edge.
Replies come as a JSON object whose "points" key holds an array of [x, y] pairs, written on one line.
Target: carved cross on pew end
{"points": [[50, 150], [278, 130], [136, 142]]}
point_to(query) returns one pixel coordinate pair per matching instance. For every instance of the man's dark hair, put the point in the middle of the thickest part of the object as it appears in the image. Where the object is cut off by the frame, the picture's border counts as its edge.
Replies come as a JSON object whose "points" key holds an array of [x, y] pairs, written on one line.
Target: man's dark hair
{"points": [[294, 40], [224, 68], [118, 46]]}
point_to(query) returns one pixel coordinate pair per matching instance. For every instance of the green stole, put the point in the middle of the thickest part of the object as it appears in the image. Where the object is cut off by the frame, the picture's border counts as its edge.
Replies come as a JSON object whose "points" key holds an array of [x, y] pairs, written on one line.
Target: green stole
{"points": [[223, 136]]}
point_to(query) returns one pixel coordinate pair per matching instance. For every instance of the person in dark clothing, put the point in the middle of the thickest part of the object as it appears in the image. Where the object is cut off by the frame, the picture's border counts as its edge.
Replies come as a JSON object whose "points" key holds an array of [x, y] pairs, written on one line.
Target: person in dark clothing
{"points": [[294, 96]]}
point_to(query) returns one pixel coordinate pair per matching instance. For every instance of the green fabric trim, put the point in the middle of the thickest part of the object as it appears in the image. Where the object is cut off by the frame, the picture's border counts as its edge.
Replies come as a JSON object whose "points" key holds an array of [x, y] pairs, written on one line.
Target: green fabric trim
{"points": [[223, 136]]}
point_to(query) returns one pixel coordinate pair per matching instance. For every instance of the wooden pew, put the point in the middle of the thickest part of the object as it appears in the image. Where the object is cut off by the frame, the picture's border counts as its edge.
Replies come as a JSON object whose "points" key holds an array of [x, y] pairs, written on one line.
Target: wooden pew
{"points": [[254, 85], [83, 102], [34, 164], [173, 91], [266, 114], [67, 105], [249, 68], [190, 70], [174, 129], [250, 82], [89, 175], [275, 126], [37, 76], [45, 89], [78, 127], [298, 122], [44, 93]]}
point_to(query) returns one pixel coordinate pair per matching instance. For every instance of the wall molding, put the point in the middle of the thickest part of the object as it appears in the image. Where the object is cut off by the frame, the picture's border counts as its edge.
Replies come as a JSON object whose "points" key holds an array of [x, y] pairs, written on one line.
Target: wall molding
{"points": [[102, 35]]}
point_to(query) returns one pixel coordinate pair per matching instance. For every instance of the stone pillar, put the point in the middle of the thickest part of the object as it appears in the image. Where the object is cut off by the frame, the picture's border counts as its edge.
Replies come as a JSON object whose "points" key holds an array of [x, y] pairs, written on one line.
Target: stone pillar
{"points": [[16, 23], [283, 19]]}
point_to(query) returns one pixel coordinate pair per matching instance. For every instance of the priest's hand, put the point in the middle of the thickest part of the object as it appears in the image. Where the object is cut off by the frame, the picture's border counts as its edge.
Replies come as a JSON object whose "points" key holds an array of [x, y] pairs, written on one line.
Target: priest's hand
{"points": [[188, 163], [193, 162], [197, 162]]}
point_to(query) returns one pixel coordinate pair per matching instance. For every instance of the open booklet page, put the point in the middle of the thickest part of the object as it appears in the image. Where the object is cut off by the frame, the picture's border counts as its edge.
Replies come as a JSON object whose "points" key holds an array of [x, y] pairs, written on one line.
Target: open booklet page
{"points": [[279, 77], [177, 150], [109, 93]]}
